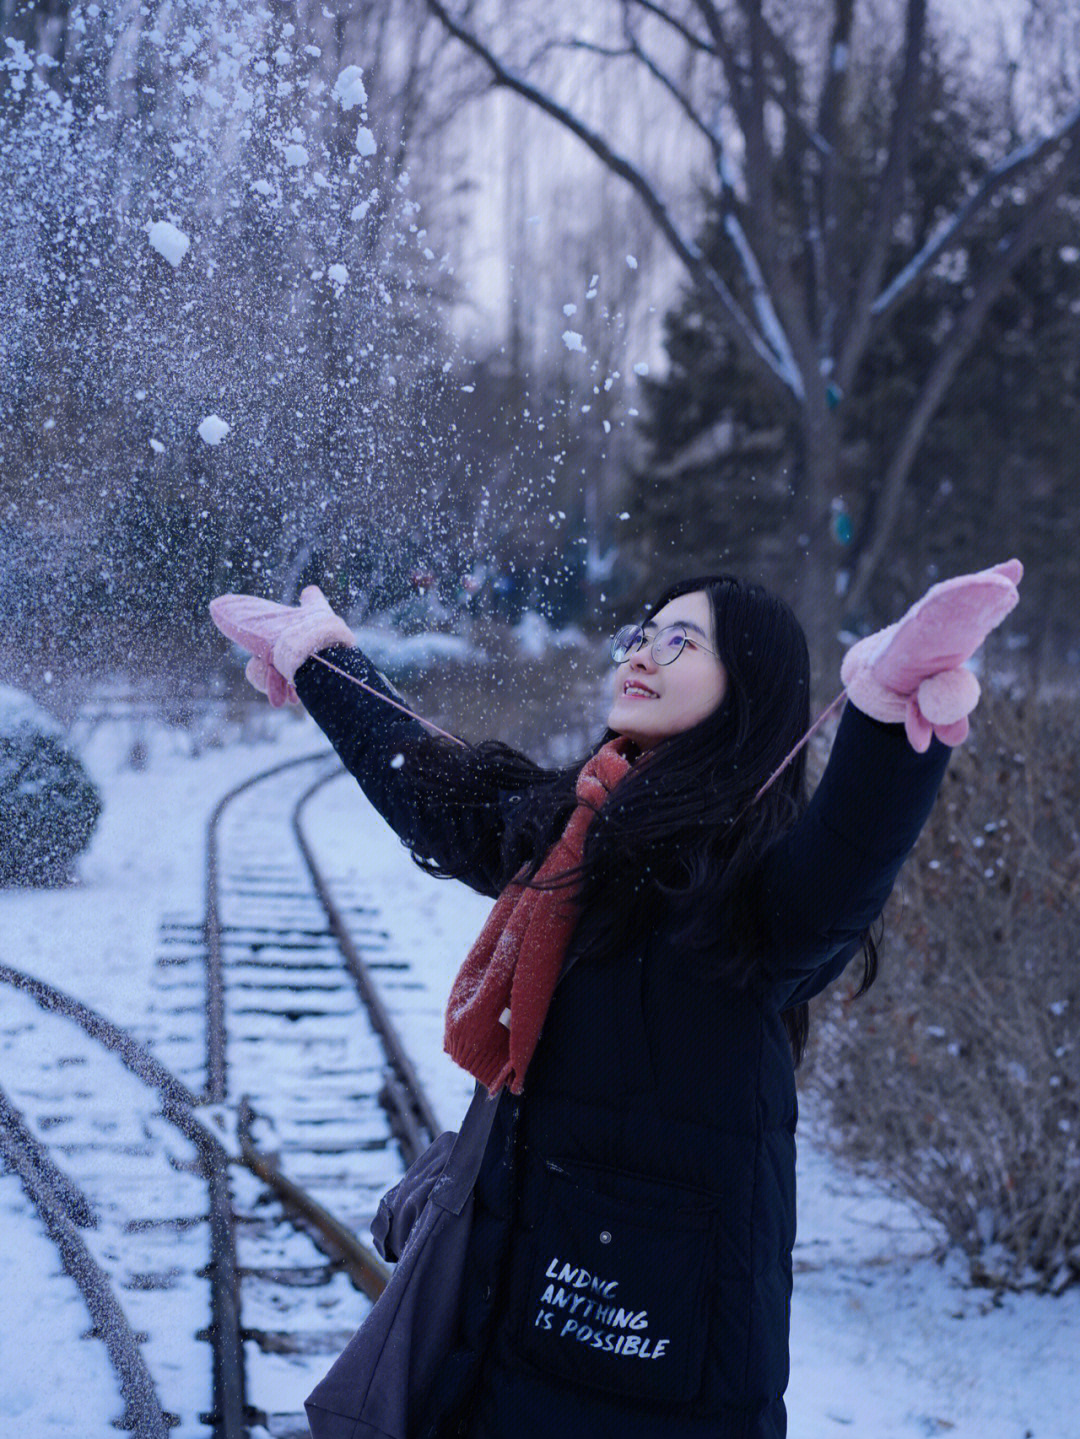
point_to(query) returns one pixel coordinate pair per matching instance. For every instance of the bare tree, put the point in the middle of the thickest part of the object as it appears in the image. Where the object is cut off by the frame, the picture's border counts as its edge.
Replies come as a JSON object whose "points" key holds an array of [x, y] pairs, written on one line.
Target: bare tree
{"points": [[776, 109]]}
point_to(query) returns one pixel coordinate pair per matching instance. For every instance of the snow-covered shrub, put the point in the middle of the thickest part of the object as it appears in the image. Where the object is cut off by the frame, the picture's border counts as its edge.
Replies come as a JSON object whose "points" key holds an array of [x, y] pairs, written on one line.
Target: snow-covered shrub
{"points": [[957, 1074], [48, 806]]}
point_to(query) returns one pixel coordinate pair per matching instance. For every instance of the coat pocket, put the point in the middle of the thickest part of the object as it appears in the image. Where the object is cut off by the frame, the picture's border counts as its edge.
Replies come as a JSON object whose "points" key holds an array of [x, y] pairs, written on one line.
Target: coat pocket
{"points": [[610, 1284]]}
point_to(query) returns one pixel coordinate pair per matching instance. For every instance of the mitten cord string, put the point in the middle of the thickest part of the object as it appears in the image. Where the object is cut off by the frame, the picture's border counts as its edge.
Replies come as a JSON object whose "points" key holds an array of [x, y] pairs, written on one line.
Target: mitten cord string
{"points": [[380, 696], [792, 753], [446, 735]]}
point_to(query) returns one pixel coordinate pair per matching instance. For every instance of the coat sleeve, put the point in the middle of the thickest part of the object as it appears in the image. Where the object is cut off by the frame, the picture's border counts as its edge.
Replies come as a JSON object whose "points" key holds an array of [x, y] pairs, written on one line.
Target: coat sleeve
{"points": [[368, 735], [829, 877]]}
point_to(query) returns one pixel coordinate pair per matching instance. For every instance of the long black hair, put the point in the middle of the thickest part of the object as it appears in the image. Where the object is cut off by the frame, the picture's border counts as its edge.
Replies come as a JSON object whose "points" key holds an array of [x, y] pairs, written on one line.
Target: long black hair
{"points": [[679, 831]]}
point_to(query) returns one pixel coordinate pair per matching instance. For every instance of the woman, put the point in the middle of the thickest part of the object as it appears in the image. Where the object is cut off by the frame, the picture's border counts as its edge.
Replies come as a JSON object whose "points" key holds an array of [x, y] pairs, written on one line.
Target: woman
{"points": [[638, 998]]}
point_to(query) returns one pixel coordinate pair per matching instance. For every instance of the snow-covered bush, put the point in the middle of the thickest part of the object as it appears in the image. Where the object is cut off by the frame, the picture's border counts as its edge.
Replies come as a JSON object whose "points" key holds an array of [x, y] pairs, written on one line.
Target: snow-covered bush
{"points": [[957, 1074], [48, 806]]}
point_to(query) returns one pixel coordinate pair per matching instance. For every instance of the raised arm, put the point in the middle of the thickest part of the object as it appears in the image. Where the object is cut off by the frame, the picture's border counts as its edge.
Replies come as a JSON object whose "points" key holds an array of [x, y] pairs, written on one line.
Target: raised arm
{"points": [[909, 696], [372, 737], [831, 874], [461, 828]]}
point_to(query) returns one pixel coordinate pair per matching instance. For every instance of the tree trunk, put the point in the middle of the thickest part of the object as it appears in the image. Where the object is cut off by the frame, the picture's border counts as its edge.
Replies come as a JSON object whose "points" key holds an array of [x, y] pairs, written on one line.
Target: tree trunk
{"points": [[812, 587]]}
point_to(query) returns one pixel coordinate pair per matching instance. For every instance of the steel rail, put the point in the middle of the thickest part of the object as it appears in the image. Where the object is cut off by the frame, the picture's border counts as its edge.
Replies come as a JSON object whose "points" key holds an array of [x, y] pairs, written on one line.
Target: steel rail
{"points": [[143, 1414], [177, 1106], [413, 1118], [230, 1379]]}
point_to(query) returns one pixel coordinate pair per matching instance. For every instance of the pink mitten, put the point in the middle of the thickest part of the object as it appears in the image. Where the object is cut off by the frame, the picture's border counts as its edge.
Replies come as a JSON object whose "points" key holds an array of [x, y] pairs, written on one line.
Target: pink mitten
{"points": [[260, 626], [914, 670], [267, 681], [254, 624], [314, 627]]}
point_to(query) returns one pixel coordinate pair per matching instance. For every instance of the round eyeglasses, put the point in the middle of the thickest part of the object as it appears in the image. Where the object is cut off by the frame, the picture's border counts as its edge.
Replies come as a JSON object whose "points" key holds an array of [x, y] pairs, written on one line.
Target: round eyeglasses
{"points": [[666, 645]]}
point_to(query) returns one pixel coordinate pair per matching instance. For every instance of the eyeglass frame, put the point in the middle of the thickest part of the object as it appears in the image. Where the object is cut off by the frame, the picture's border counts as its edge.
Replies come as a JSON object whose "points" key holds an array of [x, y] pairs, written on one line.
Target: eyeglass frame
{"points": [[642, 641]]}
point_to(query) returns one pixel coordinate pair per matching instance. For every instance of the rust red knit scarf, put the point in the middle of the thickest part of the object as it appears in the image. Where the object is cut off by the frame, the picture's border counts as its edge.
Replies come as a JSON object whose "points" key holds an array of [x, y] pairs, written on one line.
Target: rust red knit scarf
{"points": [[517, 958]]}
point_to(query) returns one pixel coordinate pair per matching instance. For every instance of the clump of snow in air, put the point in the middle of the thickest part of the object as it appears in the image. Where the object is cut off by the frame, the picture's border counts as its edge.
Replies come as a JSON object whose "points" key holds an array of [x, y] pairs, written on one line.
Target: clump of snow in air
{"points": [[365, 142], [632, 262], [397, 761], [641, 368], [569, 310], [349, 89], [170, 242], [296, 155], [573, 341], [338, 275], [157, 447], [213, 429]]}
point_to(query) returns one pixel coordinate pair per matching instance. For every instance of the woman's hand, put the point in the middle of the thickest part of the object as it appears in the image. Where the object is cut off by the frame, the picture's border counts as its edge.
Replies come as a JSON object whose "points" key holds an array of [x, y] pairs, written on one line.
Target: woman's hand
{"points": [[913, 670], [279, 637]]}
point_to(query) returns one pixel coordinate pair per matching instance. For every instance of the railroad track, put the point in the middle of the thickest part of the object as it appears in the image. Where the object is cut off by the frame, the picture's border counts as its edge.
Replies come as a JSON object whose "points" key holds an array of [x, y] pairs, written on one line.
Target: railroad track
{"points": [[267, 1005]]}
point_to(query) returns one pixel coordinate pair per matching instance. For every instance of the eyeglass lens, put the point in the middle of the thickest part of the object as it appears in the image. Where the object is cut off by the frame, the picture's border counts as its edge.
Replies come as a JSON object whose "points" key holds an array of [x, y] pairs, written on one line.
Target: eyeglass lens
{"points": [[666, 645]]}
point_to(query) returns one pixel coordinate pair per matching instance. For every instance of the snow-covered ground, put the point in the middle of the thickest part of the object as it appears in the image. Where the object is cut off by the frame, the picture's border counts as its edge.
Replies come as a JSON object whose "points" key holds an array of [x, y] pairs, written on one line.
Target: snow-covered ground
{"points": [[886, 1342]]}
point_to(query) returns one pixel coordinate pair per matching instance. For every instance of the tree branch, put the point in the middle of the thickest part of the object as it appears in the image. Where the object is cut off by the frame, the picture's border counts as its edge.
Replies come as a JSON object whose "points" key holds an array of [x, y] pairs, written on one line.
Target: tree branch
{"points": [[635, 48], [776, 281], [775, 369], [722, 48], [957, 347], [758, 171], [890, 195], [827, 188], [732, 214], [692, 39], [1021, 159], [608, 52]]}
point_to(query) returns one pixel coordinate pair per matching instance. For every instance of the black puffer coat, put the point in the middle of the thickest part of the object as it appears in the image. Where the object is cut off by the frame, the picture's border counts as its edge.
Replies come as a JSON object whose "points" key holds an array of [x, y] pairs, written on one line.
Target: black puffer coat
{"points": [[630, 1260]]}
